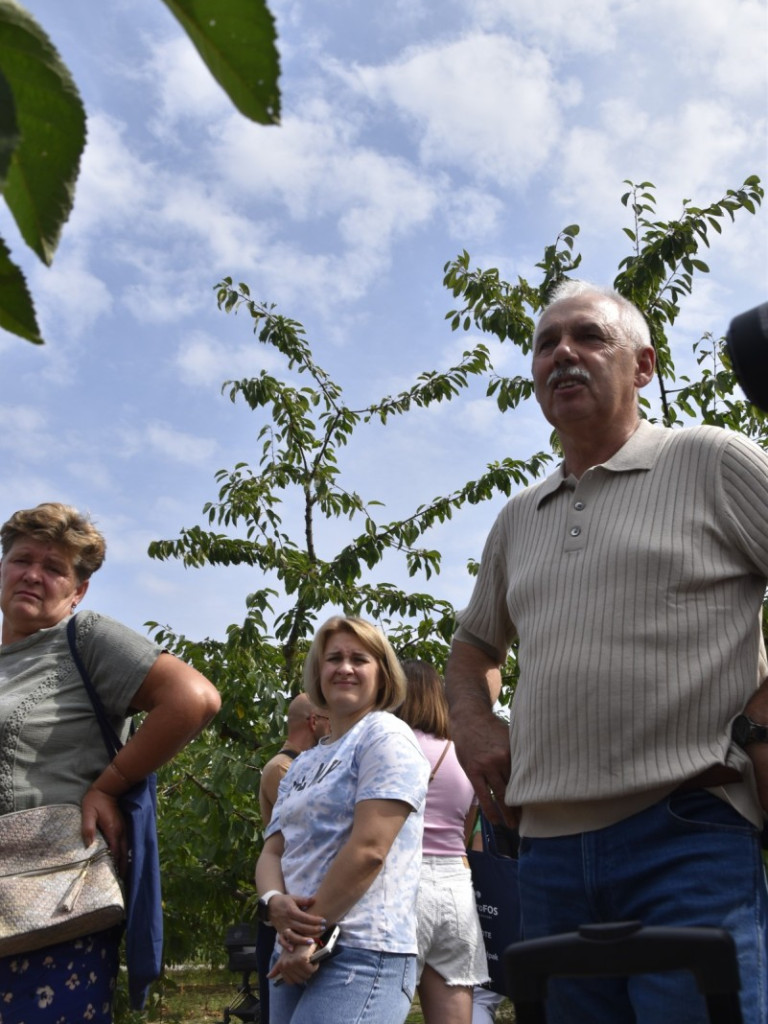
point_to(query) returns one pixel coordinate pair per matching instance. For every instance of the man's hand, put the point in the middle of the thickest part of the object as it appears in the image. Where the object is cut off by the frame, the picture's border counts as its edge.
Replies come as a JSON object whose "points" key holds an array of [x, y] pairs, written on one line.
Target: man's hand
{"points": [[473, 683], [482, 746]]}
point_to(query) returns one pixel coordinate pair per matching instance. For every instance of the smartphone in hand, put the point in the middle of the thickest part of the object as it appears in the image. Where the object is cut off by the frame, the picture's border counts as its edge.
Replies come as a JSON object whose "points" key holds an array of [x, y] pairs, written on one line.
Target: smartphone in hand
{"points": [[327, 946]]}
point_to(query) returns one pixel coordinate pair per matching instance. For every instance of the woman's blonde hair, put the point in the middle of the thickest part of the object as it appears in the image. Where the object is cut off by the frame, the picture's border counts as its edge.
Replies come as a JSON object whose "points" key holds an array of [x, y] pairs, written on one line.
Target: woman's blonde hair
{"points": [[391, 692], [425, 706], [59, 524]]}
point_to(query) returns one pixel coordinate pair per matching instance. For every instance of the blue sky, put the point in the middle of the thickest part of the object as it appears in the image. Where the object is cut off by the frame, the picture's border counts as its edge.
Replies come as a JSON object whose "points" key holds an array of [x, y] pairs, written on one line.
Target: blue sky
{"points": [[412, 129]]}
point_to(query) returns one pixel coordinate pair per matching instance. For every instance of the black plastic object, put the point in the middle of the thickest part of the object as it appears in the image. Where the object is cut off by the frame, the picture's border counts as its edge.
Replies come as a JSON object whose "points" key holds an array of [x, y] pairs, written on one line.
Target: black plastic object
{"points": [[747, 341], [623, 948], [240, 941]]}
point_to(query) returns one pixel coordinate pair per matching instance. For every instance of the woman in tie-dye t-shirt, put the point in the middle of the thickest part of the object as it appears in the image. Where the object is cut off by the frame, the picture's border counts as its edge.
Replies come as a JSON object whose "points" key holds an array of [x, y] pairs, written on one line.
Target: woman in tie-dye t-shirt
{"points": [[344, 843]]}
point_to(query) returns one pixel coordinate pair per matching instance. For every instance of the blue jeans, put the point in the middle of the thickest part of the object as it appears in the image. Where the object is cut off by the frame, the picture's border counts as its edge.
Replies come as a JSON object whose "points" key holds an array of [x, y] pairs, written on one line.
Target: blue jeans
{"points": [[358, 986], [689, 860]]}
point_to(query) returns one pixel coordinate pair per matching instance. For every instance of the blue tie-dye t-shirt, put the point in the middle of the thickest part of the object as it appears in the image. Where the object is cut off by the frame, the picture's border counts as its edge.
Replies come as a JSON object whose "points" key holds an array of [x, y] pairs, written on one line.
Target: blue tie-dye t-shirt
{"points": [[378, 759]]}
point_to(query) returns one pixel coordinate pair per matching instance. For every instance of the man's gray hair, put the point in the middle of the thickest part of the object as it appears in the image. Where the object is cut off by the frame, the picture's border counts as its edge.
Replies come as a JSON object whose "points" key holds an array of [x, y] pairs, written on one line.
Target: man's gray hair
{"points": [[632, 320]]}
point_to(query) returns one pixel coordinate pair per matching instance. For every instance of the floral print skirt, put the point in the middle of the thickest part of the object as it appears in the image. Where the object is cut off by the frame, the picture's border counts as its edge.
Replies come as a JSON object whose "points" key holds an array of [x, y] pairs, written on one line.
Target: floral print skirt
{"points": [[62, 984]]}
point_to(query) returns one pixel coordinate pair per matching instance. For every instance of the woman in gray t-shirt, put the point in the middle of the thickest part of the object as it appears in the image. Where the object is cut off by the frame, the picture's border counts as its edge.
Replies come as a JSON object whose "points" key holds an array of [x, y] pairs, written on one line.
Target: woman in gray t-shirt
{"points": [[51, 748]]}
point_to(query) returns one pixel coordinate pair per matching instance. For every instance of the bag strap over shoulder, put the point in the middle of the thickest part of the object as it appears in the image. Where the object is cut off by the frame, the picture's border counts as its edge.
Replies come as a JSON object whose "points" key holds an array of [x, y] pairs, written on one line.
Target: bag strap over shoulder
{"points": [[111, 739], [439, 761]]}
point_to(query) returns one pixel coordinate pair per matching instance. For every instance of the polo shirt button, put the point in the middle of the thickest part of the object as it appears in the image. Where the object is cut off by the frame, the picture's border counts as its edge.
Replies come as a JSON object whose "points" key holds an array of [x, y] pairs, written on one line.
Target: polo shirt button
{"points": [[575, 531], [579, 506]]}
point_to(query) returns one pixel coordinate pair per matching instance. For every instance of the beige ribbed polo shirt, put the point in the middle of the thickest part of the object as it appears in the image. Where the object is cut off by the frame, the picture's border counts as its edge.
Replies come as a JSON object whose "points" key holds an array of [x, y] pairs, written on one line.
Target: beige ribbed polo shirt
{"points": [[636, 594]]}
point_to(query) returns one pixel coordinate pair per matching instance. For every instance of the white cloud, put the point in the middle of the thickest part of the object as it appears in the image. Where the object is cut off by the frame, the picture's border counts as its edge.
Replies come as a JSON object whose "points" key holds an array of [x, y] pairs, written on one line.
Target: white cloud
{"points": [[164, 291], [590, 175], [296, 162], [720, 46], [24, 489], [324, 280], [701, 145], [198, 219], [481, 417], [589, 28], [93, 473], [484, 103], [70, 296], [161, 440], [201, 358], [185, 87], [694, 151], [317, 169], [470, 212], [115, 186], [25, 431], [177, 445]]}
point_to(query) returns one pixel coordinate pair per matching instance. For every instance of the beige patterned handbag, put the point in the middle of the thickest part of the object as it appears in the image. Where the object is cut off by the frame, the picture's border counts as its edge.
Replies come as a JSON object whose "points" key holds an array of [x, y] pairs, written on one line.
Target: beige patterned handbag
{"points": [[52, 888]]}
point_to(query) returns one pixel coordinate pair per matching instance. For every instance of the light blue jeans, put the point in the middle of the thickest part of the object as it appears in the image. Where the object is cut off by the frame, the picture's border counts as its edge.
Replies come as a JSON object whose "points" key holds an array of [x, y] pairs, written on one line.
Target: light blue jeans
{"points": [[690, 860], [358, 986]]}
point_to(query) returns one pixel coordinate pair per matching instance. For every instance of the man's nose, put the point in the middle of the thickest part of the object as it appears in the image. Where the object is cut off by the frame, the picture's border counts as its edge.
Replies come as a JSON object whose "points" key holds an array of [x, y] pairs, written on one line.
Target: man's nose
{"points": [[564, 351]]}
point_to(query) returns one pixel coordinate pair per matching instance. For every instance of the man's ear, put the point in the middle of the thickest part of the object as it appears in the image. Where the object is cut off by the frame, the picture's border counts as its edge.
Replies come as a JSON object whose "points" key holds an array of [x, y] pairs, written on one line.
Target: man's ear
{"points": [[645, 363]]}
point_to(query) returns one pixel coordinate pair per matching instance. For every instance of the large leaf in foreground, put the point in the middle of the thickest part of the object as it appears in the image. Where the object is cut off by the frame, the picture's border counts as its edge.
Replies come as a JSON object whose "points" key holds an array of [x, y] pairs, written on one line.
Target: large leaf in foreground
{"points": [[43, 169], [236, 39], [9, 129], [17, 312]]}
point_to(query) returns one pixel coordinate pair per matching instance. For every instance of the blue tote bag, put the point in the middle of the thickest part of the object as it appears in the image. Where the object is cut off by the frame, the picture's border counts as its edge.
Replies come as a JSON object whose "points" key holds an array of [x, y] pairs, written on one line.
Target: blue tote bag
{"points": [[494, 877], [143, 897]]}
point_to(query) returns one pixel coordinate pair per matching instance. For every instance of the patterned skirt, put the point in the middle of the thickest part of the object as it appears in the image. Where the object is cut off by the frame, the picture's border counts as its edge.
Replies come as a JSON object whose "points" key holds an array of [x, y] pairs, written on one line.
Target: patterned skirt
{"points": [[62, 984]]}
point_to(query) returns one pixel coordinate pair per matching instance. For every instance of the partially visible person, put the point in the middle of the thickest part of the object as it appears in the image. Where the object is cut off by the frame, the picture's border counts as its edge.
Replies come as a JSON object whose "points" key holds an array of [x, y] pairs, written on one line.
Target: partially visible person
{"points": [[345, 841], [51, 747], [451, 950], [485, 1005], [305, 726]]}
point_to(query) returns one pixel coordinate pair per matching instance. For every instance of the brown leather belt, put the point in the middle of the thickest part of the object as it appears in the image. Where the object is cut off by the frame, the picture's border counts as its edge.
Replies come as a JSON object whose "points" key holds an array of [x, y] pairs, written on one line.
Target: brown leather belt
{"points": [[717, 775]]}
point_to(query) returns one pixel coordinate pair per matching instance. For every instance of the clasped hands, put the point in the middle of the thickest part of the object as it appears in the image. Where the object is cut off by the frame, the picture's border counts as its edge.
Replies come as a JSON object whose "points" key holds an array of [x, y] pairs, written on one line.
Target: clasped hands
{"points": [[296, 933]]}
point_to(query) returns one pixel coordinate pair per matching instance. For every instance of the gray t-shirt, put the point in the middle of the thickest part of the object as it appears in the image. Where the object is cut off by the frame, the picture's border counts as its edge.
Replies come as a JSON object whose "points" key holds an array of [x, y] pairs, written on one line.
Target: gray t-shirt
{"points": [[51, 747]]}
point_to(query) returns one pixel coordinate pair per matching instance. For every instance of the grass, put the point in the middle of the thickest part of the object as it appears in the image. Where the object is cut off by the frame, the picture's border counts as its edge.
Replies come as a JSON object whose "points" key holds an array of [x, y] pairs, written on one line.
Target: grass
{"points": [[199, 996]]}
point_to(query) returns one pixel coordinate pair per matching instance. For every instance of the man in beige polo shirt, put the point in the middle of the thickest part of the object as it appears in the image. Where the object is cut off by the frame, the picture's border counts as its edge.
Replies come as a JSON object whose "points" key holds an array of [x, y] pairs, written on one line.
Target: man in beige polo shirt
{"points": [[632, 579]]}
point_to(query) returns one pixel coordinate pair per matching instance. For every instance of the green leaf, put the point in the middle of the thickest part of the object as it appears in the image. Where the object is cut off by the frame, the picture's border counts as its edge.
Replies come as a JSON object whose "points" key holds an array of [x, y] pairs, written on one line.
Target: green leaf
{"points": [[41, 178], [17, 312], [236, 39], [9, 129]]}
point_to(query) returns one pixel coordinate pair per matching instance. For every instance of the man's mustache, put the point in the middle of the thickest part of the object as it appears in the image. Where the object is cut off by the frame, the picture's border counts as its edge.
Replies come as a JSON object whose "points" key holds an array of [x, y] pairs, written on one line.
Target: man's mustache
{"points": [[568, 373]]}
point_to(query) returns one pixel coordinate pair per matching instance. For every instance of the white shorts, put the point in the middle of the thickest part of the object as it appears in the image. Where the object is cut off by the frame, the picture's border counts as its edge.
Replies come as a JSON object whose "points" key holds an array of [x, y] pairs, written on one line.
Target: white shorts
{"points": [[450, 939]]}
